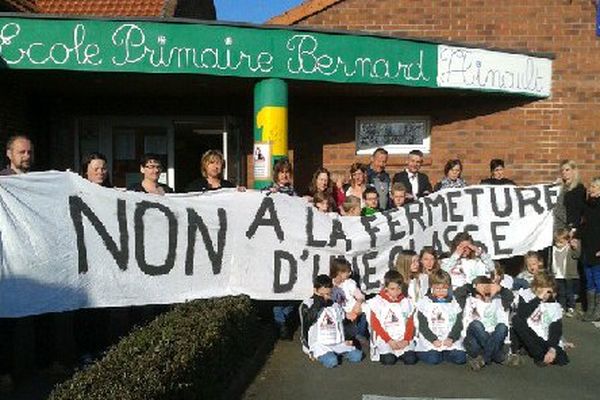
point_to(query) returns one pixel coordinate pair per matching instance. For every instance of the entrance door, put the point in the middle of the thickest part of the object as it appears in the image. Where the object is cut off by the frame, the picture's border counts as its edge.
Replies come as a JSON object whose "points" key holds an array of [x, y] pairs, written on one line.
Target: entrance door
{"points": [[192, 140]]}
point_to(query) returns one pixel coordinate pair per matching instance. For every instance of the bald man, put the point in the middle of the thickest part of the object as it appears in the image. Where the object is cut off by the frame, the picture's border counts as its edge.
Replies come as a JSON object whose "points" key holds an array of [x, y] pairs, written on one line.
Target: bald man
{"points": [[19, 150]]}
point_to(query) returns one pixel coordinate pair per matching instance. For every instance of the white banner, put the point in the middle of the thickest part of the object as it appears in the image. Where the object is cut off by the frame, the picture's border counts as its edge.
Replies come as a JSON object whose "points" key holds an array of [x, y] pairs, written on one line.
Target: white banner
{"points": [[67, 243]]}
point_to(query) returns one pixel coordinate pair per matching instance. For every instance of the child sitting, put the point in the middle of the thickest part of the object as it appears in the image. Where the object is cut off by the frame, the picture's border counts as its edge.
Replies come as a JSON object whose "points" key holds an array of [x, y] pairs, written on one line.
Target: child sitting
{"points": [[392, 324], [439, 319], [485, 308], [347, 294], [323, 329], [537, 324], [501, 278], [371, 200], [467, 261], [351, 206], [398, 193], [428, 259], [533, 263], [565, 255], [408, 265]]}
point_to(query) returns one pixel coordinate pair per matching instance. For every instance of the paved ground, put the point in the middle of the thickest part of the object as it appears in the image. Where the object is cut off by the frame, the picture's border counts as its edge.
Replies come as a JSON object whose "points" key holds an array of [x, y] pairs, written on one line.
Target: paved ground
{"points": [[288, 374]]}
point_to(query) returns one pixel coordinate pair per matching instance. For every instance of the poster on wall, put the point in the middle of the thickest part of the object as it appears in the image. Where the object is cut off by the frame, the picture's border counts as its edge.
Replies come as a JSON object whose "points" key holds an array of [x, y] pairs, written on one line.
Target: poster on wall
{"points": [[262, 161]]}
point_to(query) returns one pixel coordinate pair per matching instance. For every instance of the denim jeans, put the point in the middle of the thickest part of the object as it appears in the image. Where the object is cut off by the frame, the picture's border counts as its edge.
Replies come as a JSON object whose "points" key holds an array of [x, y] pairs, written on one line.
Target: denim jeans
{"points": [[592, 278], [489, 345], [281, 314], [433, 357], [332, 360], [566, 292]]}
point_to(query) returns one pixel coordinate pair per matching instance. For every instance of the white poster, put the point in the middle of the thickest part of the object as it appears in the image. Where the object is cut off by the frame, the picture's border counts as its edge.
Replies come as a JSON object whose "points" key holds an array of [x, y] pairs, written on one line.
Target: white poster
{"points": [[262, 161], [68, 244], [469, 68]]}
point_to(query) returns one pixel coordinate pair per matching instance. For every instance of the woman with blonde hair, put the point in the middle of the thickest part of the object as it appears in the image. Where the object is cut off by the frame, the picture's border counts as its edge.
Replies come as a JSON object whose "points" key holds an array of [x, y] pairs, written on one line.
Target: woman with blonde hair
{"points": [[571, 200], [212, 165]]}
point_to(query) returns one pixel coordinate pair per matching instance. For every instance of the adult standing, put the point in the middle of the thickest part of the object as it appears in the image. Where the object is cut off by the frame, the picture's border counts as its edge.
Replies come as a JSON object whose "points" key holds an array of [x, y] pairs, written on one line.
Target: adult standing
{"points": [[320, 182], [590, 243], [212, 164], [358, 181], [150, 168], [379, 178], [571, 200], [497, 172], [95, 169], [19, 151], [452, 176], [416, 183]]}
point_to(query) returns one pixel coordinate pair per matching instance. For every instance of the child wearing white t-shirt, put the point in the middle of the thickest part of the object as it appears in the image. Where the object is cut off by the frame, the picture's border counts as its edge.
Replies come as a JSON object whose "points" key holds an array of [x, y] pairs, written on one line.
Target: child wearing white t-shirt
{"points": [[440, 325], [347, 294], [392, 325], [467, 261], [322, 327], [537, 324]]}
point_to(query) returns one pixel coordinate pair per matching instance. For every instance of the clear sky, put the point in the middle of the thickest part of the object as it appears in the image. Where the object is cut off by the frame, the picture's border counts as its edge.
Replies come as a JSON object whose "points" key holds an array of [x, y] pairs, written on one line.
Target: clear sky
{"points": [[254, 11]]}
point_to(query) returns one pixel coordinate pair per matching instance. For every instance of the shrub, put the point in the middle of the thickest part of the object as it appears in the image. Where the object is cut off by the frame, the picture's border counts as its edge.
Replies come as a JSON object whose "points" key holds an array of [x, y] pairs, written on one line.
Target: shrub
{"points": [[191, 352]]}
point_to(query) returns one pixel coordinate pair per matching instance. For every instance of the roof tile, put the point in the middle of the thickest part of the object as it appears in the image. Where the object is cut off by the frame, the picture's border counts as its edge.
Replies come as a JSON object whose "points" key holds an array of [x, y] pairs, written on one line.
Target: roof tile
{"points": [[127, 8], [302, 11]]}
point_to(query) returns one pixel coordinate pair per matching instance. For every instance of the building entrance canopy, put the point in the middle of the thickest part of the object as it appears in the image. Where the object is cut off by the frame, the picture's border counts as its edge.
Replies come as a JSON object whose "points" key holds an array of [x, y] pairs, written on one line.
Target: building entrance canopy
{"points": [[261, 52]]}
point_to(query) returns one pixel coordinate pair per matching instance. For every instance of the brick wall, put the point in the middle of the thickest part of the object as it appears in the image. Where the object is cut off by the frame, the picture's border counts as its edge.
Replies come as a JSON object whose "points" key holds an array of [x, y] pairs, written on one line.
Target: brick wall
{"points": [[531, 137]]}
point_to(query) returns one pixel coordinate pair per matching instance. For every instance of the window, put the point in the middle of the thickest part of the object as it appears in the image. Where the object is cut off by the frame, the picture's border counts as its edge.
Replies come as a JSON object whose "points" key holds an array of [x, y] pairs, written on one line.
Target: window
{"points": [[398, 135]]}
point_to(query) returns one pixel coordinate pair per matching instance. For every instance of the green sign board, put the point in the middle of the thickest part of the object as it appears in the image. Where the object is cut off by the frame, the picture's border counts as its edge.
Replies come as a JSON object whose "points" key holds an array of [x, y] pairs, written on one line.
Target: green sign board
{"points": [[155, 47]]}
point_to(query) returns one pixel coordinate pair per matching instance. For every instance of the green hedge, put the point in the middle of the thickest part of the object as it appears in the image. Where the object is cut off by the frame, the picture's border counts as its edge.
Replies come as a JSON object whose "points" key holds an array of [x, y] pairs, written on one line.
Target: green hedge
{"points": [[191, 352]]}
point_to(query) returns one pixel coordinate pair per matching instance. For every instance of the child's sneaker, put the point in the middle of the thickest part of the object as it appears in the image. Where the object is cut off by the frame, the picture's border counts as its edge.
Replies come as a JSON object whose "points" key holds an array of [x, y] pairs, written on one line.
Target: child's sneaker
{"points": [[475, 364], [570, 313], [513, 360]]}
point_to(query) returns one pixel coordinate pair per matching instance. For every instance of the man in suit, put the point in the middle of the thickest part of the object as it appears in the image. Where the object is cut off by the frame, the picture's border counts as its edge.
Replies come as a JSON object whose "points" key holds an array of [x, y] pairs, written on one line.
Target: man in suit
{"points": [[417, 183], [379, 178]]}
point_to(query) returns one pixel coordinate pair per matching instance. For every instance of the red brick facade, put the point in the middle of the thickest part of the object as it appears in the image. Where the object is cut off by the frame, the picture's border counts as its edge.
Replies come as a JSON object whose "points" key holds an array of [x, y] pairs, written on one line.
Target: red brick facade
{"points": [[531, 137]]}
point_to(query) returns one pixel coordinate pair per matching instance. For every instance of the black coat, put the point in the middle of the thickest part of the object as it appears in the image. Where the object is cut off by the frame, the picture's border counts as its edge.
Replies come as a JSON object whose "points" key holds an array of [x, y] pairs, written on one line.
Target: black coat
{"points": [[201, 185], [590, 232], [424, 183], [574, 203]]}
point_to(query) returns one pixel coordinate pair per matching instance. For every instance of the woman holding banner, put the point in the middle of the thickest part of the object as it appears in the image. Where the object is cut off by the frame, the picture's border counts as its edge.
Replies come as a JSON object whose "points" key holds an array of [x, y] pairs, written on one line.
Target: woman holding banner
{"points": [[212, 165], [151, 168], [452, 171], [358, 181], [95, 169]]}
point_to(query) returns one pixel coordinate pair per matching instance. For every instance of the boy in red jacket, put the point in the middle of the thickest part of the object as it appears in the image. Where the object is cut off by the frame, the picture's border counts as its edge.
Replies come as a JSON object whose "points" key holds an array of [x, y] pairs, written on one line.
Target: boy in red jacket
{"points": [[392, 323]]}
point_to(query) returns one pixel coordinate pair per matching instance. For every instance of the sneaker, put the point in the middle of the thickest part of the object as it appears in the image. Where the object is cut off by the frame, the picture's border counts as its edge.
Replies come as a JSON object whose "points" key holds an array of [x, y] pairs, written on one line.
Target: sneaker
{"points": [[475, 364], [513, 360], [570, 313]]}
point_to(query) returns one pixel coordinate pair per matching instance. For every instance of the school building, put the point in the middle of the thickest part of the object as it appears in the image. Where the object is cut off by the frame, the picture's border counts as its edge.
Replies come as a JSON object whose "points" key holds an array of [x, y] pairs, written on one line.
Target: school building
{"points": [[325, 83]]}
